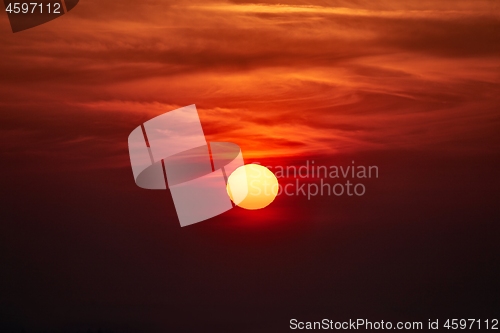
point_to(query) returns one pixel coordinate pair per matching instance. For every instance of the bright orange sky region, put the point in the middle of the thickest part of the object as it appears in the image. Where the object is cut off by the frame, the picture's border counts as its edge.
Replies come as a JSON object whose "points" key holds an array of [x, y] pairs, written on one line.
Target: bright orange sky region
{"points": [[279, 79]]}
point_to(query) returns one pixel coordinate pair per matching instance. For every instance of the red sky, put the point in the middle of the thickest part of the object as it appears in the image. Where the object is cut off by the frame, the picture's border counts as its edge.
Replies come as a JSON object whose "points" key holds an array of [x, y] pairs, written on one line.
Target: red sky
{"points": [[410, 86], [279, 79]]}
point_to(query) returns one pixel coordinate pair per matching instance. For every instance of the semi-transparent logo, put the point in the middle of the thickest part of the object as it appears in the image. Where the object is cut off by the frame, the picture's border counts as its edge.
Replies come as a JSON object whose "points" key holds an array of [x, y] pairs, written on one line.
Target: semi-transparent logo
{"points": [[170, 151]]}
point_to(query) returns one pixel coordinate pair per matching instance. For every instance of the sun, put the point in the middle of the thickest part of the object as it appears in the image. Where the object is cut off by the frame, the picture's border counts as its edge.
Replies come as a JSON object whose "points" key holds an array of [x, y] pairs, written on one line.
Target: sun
{"points": [[252, 186]]}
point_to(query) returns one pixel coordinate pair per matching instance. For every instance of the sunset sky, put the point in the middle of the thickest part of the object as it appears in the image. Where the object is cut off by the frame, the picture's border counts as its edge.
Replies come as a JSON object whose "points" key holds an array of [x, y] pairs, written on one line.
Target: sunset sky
{"points": [[303, 77], [410, 86]]}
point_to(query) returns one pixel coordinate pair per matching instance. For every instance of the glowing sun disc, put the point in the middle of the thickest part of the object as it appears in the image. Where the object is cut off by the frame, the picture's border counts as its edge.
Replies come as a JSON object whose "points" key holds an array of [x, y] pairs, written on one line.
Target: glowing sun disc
{"points": [[252, 186]]}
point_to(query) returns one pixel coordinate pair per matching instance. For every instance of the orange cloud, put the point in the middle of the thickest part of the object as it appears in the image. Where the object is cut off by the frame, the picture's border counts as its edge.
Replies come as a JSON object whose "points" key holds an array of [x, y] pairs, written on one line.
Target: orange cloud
{"points": [[280, 80]]}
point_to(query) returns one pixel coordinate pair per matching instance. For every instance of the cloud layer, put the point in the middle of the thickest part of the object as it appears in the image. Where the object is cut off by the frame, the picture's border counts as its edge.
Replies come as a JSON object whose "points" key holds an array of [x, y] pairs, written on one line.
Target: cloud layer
{"points": [[279, 79]]}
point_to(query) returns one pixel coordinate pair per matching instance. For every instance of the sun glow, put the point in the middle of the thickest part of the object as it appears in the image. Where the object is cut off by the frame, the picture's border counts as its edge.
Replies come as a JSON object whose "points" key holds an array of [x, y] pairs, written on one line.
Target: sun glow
{"points": [[252, 187]]}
